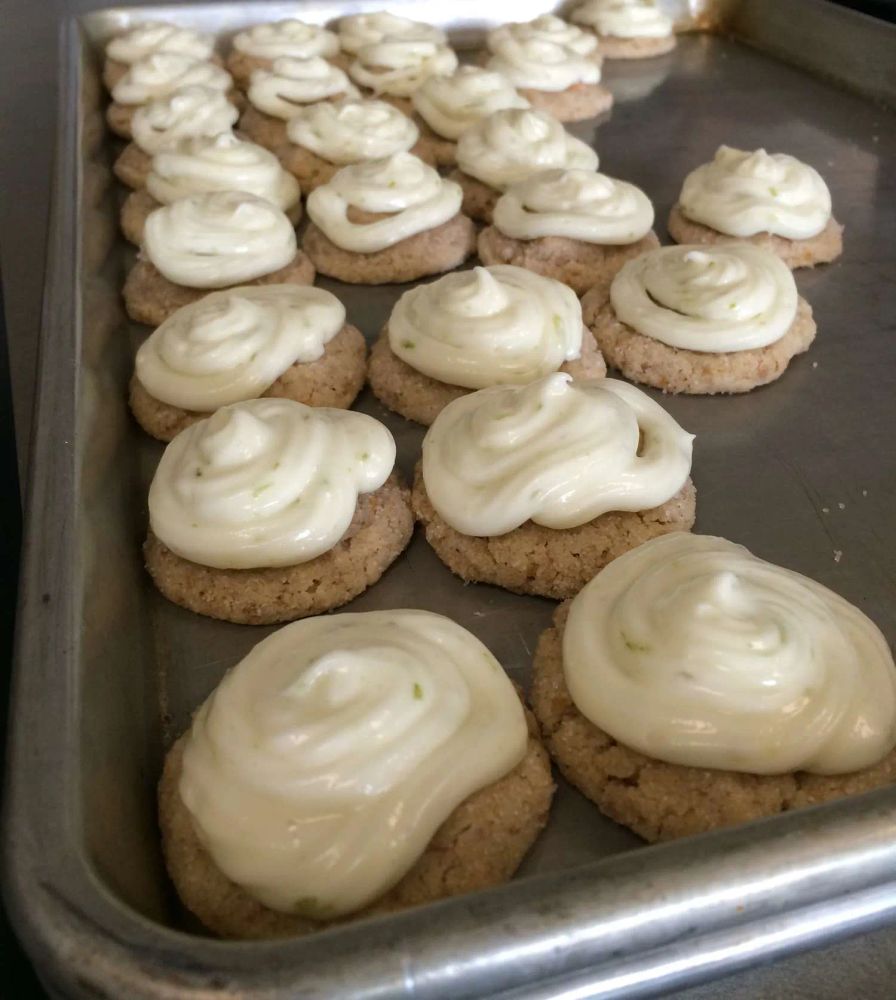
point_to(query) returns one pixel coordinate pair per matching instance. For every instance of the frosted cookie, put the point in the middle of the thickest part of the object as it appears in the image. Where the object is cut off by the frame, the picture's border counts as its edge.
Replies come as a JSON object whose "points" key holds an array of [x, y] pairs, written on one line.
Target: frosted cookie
{"points": [[627, 29], [349, 765], [446, 106], [383, 221], [261, 340], [396, 66], [772, 200], [200, 165], [554, 65], [257, 47], [207, 242], [275, 95], [149, 37], [509, 146], [474, 329], [158, 76], [357, 30], [329, 135], [643, 715], [701, 319], [191, 112], [537, 487], [270, 510], [577, 226]]}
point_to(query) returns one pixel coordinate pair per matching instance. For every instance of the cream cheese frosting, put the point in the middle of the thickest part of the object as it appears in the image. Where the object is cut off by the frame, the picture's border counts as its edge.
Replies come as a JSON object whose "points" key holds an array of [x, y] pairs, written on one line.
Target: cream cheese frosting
{"points": [[542, 65], [694, 651], [578, 204], [220, 163], [451, 104], [358, 30], [546, 28], [556, 452], [350, 131], [266, 482], [233, 345], [159, 36], [323, 764], [398, 64], [289, 37], [624, 18], [716, 299], [487, 326], [184, 113], [292, 83], [413, 194], [218, 239], [512, 144], [161, 73], [742, 193]]}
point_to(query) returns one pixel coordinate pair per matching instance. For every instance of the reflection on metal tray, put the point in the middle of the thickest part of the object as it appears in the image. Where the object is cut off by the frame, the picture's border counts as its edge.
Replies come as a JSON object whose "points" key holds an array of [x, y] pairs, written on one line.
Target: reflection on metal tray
{"points": [[108, 672]]}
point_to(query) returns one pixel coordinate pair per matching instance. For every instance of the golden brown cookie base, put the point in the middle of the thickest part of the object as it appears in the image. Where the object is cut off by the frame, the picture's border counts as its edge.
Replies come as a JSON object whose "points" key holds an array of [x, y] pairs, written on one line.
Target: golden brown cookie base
{"points": [[673, 369], [575, 104], [140, 203], [132, 166], [335, 379], [433, 251], [661, 801], [379, 533], [614, 47], [113, 70], [481, 844], [820, 249], [479, 198], [543, 561], [265, 130], [433, 148], [576, 263], [119, 116], [418, 397], [150, 298]]}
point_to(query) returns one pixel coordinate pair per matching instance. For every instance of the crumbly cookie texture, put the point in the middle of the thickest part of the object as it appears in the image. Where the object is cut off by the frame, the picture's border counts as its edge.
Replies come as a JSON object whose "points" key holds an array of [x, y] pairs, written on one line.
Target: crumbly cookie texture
{"points": [[333, 380], [575, 104], [266, 130], [132, 166], [820, 249], [673, 369], [479, 198], [418, 397], [433, 148], [661, 801], [481, 844], [547, 562], [576, 263], [613, 47], [433, 251], [379, 533], [150, 298]]}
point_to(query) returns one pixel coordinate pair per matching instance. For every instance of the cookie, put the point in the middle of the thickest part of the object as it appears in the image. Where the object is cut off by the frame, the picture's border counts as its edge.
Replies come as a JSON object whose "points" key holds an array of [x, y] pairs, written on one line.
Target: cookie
{"points": [[266, 130], [132, 166], [113, 70], [433, 148], [119, 116], [575, 104], [613, 47], [479, 198]]}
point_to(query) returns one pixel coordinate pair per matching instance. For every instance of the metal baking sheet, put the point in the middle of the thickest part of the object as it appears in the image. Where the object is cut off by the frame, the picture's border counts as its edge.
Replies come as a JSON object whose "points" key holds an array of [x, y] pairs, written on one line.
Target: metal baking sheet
{"points": [[107, 672]]}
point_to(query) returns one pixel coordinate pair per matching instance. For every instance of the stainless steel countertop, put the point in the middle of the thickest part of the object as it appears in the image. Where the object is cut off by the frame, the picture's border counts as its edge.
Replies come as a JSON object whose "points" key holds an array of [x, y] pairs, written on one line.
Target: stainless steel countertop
{"points": [[864, 967]]}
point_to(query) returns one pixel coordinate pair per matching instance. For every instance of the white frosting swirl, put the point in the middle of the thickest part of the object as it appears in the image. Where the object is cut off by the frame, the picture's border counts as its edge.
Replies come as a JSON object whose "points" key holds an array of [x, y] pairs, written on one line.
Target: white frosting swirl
{"points": [[349, 131], [488, 326], [234, 345], [398, 65], [624, 18], [291, 83], [162, 73], [693, 651], [266, 482], [741, 193], [358, 30], [546, 28], [220, 163], [218, 239], [413, 194], [451, 104], [579, 204], [159, 36], [715, 299], [289, 37], [511, 144], [186, 112], [556, 452], [542, 65], [324, 763]]}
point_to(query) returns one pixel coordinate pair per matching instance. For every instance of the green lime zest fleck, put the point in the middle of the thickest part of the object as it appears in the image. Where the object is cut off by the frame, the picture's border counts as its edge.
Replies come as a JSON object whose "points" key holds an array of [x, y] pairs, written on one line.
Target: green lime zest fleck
{"points": [[408, 344], [198, 473], [418, 692], [732, 305], [558, 322], [260, 489], [635, 647], [364, 456], [773, 191]]}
